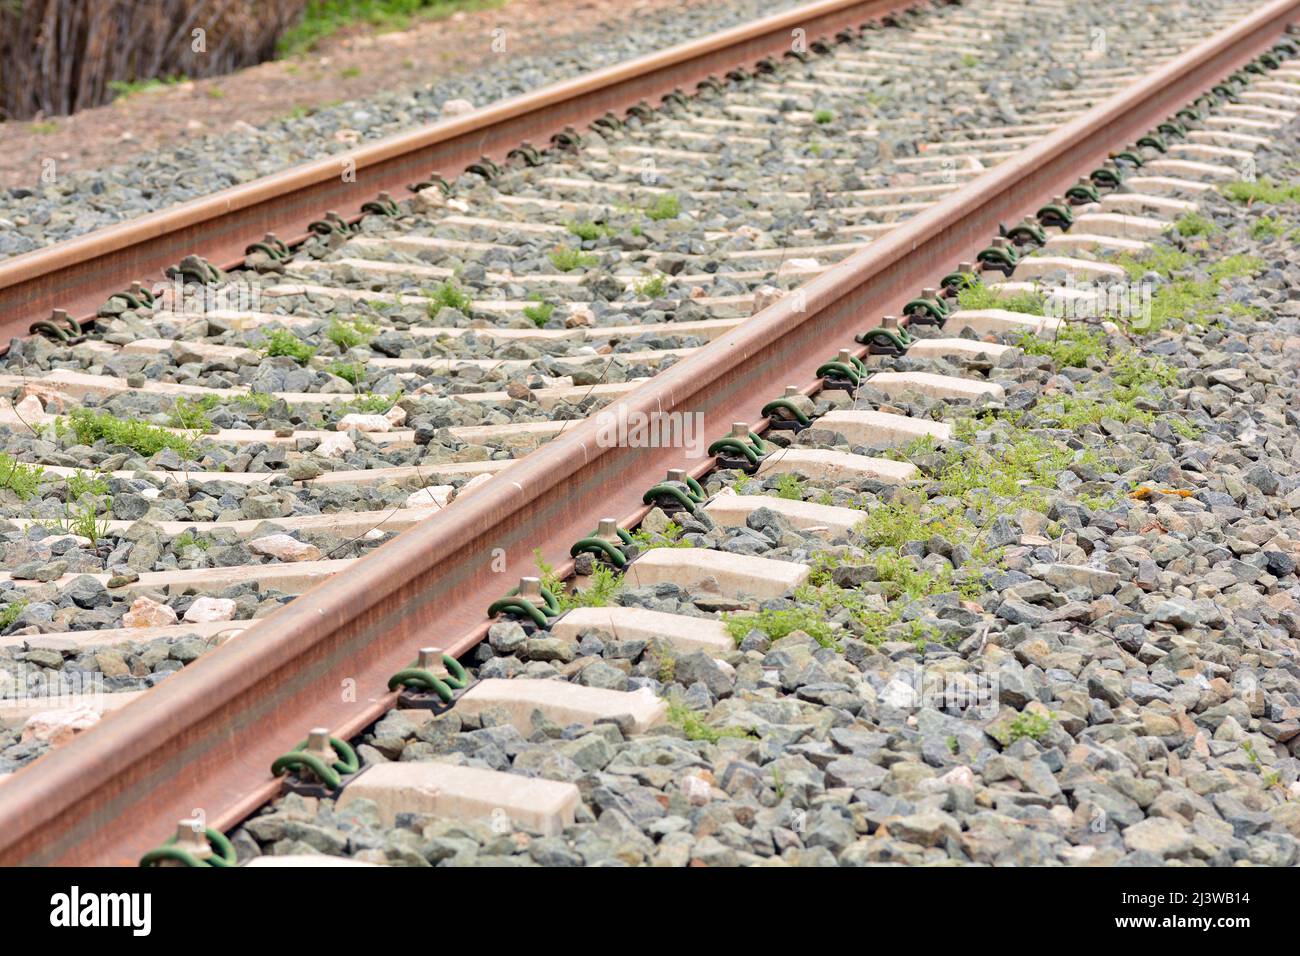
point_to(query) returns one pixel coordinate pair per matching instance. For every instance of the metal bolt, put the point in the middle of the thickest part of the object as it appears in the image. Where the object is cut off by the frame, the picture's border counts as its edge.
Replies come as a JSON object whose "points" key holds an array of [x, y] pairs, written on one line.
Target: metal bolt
{"points": [[60, 315], [607, 530], [428, 658], [530, 589], [930, 294], [318, 745], [678, 475], [999, 242], [192, 839], [740, 430], [965, 267], [889, 322], [385, 197], [792, 391], [846, 356]]}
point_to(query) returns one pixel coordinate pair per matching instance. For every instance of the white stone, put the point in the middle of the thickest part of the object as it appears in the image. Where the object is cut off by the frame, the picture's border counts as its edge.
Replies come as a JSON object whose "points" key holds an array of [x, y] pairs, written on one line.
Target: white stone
{"points": [[473, 485], [59, 726], [456, 108], [794, 266], [31, 405], [696, 790], [285, 547], [210, 609], [764, 296], [433, 496], [335, 446], [900, 694], [580, 317], [396, 416], [364, 423], [146, 612], [959, 777]]}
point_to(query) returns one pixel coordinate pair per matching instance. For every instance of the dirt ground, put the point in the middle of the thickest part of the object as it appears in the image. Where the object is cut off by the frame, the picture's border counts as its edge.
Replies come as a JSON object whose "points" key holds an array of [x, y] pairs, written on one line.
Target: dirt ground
{"points": [[346, 66]]}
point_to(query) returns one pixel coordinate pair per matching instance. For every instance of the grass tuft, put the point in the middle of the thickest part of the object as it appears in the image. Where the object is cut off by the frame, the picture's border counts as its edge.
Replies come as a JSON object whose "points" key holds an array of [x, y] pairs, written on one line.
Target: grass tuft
{"points": [[283, 342]]}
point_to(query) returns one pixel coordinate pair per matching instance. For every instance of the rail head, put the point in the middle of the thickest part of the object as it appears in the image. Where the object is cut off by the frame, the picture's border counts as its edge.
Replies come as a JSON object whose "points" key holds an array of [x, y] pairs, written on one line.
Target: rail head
{"points": [[80, 274]]}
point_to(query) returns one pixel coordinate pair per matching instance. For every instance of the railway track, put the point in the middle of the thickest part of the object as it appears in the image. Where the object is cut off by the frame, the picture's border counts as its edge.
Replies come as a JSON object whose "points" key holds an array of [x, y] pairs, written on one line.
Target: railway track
{"points": [[398, 368]]}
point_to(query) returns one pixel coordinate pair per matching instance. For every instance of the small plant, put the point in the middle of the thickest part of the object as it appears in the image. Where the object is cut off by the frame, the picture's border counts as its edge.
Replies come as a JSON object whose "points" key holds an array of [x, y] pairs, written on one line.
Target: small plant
{"points": [[1072, 347], [369, 404], [351, 372], [1162, 260], [1184, 428], [969, 60], [663, 656], [350, 72], [546, 572], [81, 484], [283, 342], [789, 486], [125, 88], [588, 231], [1235, 267], [187, 539], [566, 259], [1025, 724], [44, 129], [216, 93], [447, 295], [682, 717], [1263, 191], [653, 287], [605, 584], [192, 413], [350, 334], [81, 518], [1268, 227], [90, 427], [1194, 224], [666, 206], [258, 401], [670, 537], [539, 313], [822, 117], [11, 612], [979, 296], [1133, 371], [23, 480], [778, 624]]}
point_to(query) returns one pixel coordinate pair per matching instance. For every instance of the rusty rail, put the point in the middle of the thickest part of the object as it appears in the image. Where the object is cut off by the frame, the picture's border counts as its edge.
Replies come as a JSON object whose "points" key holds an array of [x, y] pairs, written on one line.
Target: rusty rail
{"points": [[79, 275], [205, 738]]}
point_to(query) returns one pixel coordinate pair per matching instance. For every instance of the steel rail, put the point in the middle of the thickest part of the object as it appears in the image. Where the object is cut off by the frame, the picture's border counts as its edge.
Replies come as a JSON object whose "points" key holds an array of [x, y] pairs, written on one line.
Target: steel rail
{"points": [[206, 737], [80, 274]]}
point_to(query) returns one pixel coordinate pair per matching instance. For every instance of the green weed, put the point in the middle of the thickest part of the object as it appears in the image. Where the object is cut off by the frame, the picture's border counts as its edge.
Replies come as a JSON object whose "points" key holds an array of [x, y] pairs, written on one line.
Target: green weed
{"points": [[779, 624], [22, 479], [11, 612], [447, 295], [349, 334], [90, 427], [283, 342], [566, 259], [1263, 191], [665, 206], [685, 719]]}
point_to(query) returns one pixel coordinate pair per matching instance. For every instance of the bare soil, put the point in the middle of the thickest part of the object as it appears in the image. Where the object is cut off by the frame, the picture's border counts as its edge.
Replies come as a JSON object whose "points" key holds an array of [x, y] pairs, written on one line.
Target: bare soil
{"points": [[346, 66]]}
